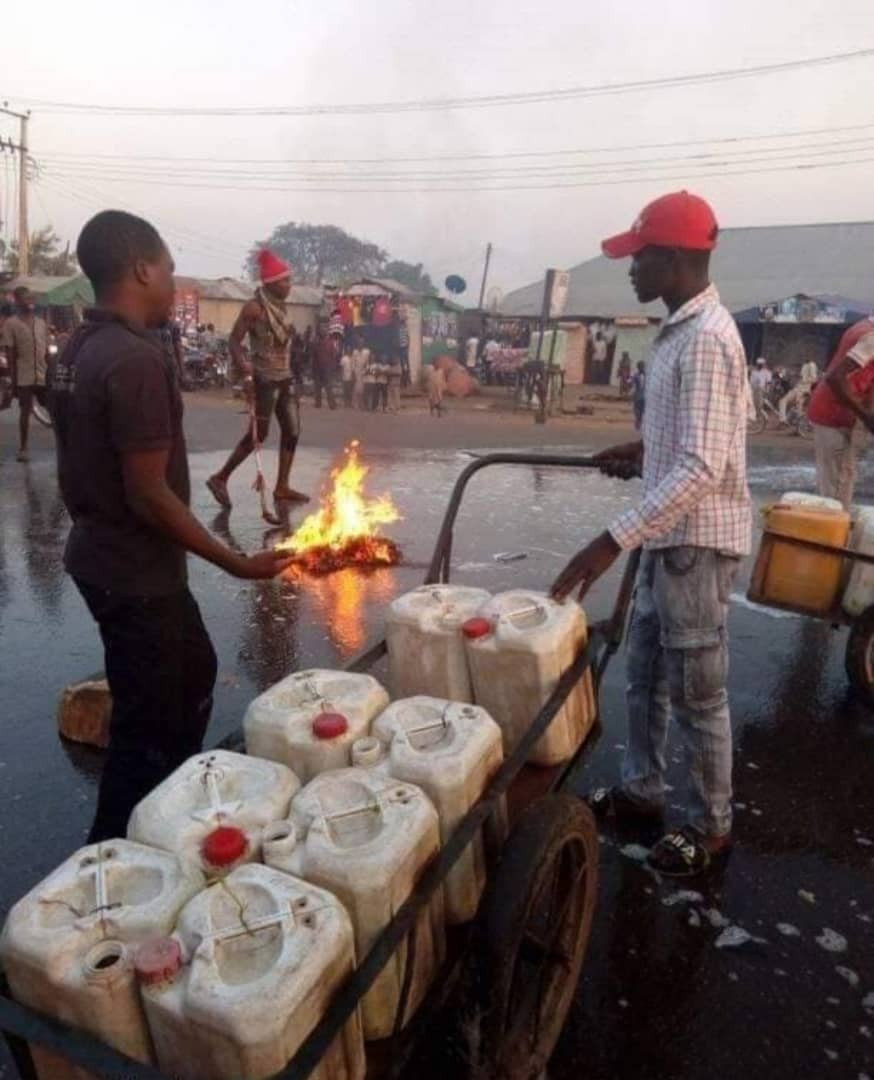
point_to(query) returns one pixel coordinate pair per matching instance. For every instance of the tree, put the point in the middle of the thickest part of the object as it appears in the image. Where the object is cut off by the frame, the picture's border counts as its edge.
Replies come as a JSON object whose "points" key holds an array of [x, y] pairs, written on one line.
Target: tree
{"points": [[46, 256], [321, 254], [413, 275]]}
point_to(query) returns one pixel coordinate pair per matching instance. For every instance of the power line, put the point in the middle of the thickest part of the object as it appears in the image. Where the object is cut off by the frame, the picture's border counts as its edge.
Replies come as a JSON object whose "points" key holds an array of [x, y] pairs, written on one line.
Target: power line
{"points": [[803, 132], [646, 177], [171, 231], [442, 104], [135, 173]]}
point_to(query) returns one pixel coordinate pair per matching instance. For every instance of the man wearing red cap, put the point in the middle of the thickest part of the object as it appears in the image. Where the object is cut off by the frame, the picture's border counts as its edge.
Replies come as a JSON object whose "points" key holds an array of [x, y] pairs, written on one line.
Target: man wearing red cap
{"points": [[694, 525], [266, 377]]}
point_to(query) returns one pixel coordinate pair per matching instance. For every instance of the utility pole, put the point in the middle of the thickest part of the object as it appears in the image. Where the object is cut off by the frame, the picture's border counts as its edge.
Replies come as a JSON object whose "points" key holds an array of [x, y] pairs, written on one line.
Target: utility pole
{"points": [[482, 290], [23, 232]]}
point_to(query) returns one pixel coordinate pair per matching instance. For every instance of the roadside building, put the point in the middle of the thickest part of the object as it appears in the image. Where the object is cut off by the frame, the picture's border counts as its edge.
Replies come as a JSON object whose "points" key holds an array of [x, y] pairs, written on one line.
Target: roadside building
{"points": [[792, 288]]}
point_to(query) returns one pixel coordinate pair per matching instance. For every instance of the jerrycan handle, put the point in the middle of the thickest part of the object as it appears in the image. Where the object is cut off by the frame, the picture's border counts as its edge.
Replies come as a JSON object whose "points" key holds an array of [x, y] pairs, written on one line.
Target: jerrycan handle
{"points": [[342, 823], [443, 722], [508, 621]]}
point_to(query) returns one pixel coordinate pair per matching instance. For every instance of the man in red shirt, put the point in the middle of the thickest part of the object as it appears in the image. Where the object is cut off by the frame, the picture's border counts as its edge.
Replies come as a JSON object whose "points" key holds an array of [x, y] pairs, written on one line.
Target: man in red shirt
{"points": [[839, 404]]}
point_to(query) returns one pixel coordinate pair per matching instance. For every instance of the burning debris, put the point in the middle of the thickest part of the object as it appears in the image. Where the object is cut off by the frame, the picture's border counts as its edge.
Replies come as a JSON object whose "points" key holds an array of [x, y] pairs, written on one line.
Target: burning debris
{"points": [[344, 531]]}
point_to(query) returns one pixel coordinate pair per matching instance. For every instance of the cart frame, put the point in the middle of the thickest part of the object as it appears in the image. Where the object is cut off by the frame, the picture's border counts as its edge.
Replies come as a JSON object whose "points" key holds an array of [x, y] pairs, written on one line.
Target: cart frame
{"points": [[21, 1025]]}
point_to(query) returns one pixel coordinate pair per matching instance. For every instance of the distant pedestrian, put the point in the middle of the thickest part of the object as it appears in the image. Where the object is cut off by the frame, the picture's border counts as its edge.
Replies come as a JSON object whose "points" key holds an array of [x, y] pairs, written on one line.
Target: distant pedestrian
{"points": [[395, 376], [360, 360], [436, 389], [382, 371], [325, 361], [347, 375], [123, 472], [371, 389], [760, 382], [26, 344], [638, 394]]}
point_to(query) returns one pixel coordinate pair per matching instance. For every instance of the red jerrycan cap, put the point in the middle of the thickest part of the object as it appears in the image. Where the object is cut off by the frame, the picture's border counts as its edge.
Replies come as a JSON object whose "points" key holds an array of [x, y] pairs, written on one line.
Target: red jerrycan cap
{"points": [[477, 628], [330, 725], [157, 960], [224, 845]]}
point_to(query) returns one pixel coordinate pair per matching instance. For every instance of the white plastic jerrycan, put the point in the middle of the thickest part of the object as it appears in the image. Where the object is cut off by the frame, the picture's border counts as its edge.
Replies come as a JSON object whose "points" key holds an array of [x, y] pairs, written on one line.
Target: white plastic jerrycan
{"points": [[212, 809], [367, 839], [309, 720], [67, 946], [425, 643], [859, 593], [451, 751], [250, 971], [518, 647]]}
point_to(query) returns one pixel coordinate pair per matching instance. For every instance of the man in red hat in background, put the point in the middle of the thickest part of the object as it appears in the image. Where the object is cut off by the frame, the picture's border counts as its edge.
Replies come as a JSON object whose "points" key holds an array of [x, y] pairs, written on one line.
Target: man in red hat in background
{"points": [[266, 377], [694, 524]]}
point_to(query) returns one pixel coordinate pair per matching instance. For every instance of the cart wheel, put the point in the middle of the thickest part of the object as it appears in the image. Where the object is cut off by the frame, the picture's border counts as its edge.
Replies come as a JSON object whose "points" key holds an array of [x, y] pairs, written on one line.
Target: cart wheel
{"points": [[535, 922], [859, 658]]}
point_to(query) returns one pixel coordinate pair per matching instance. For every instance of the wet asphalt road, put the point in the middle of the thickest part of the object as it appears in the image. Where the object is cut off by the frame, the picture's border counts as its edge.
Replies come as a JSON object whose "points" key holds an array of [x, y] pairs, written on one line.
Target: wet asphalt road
{"points": [[658, 1000]]}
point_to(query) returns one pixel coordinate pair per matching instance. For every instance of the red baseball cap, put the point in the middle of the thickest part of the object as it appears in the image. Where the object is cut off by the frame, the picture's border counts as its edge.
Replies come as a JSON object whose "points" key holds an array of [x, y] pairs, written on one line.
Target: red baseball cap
{"points": [[679, 220]]}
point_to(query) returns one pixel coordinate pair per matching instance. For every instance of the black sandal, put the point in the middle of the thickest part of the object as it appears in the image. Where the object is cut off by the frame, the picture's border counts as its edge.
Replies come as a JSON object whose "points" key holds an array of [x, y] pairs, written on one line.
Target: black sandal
{"points": [[683, 854], [613, 802]]}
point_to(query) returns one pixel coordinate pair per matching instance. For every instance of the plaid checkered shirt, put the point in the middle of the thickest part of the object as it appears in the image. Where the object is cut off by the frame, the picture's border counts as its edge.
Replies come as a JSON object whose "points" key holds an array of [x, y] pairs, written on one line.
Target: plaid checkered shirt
{"points": [[694, 436]]}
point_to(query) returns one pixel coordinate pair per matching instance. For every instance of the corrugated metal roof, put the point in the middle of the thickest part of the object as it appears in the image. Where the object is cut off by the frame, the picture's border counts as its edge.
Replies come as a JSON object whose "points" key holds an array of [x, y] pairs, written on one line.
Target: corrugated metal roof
{"points": [[391, 286], [55, 290], [227, 288], [751, 266]]}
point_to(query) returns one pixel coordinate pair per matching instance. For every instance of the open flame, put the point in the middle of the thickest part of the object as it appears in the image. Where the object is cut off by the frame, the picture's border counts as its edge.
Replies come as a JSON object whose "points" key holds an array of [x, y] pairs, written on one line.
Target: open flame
{"points": [[344, 531]]}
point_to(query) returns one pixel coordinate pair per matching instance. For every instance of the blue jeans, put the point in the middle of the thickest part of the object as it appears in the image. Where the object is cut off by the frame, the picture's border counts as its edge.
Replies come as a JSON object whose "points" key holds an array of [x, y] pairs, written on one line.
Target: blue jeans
{"points": [[678, 663]]}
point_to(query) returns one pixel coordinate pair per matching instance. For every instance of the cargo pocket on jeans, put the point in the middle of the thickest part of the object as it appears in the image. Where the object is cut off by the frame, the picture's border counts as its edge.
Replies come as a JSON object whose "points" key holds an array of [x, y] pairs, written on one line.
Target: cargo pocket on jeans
{"points": [[705, 674]]}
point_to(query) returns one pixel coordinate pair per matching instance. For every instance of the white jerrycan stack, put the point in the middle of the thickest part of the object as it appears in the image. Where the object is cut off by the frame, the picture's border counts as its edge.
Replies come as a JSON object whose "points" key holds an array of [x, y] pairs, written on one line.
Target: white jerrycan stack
{"points": [[367, 838], [250, 971], [425, 642], [451, 751], [309, 720], [859, 593], [67, 947], [212, 809], [518, 648]]}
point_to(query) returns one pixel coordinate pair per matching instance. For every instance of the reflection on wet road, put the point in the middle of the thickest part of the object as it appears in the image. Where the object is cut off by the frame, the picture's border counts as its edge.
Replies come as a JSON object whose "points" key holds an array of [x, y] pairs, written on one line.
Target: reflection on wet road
{"points": [[659, 999]]}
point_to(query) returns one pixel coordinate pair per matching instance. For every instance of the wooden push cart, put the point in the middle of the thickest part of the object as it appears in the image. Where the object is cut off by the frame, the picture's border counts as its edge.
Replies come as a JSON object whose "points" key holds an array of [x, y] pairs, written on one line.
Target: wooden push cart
{"points": [[512, 972]]}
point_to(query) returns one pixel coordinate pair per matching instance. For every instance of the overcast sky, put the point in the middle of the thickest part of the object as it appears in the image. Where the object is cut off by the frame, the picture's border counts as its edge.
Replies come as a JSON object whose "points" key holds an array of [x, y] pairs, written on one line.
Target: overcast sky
{"points": [[309, 52]]}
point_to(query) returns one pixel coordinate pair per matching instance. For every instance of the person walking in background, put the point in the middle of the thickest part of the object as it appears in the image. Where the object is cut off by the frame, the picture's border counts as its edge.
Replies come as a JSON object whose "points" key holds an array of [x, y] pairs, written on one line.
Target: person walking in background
{"points": [[638, 394], [347, 374], [25, 342], [799, 393], [436, 389], [395, 377], [266, 378], [841, 412], [360, 360], [382, 370], [371, 390], [325, 359], [760, 380], [694, 523], [123, 472]]}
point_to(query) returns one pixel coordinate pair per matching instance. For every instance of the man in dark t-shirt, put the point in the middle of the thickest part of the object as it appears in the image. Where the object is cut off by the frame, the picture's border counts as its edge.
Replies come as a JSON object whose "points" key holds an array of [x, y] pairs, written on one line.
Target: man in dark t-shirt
{"points": [[123, 472]]}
